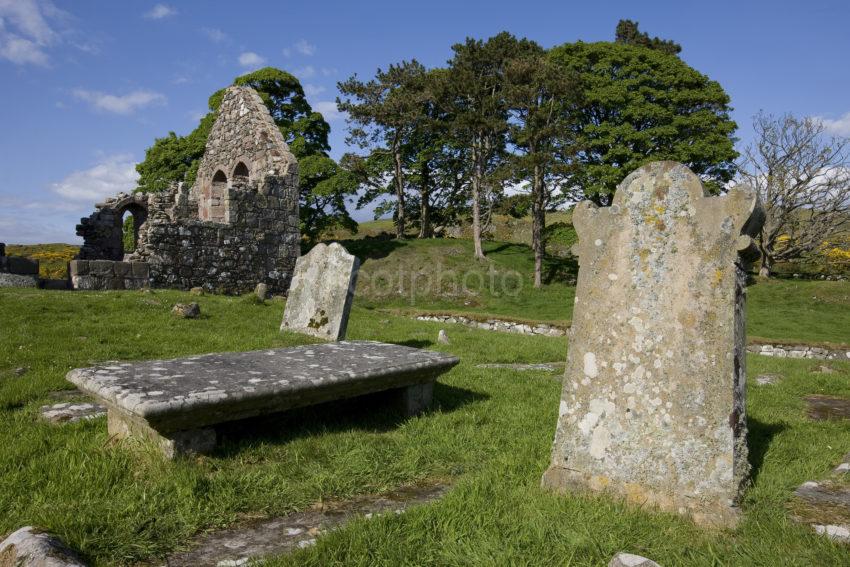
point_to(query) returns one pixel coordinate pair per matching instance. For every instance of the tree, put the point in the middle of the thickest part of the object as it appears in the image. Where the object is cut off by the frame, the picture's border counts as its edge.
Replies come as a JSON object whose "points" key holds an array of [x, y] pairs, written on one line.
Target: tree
{"points": [[322, 193], [641, 105], [473, 96], [628, 33], [541, 100], [803, 179], [382, 114]]}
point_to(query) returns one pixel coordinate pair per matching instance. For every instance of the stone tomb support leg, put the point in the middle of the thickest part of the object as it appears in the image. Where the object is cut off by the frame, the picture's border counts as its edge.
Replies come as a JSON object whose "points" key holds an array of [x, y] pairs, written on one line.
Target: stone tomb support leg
{"points": [[174, 444], [413, 400]]}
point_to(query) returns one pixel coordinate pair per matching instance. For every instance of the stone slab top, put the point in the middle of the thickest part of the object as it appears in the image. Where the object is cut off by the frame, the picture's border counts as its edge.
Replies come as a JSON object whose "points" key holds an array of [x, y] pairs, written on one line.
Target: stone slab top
{"points": [[197, 391]]}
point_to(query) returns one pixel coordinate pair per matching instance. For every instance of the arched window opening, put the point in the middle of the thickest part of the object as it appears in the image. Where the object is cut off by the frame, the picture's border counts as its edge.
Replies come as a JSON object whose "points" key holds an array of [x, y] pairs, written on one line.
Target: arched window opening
{"points": [[240, 172], [215, 204], [129, 234], [130, 220]]}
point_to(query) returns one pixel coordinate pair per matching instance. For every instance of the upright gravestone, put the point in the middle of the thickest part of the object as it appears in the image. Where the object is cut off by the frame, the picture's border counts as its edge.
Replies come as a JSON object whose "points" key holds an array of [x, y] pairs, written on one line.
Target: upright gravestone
{"points": [[653, 402], [321, 293]]}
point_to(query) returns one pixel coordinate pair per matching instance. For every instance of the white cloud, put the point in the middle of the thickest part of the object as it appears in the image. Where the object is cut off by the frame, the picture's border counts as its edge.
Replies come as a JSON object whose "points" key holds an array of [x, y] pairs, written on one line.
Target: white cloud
{"points": [[305, 72], [313, 90], [21, 51], [111, 175], [215, 35], [328, 109], [25, 31], [301, 46], [124, 104], [839, 126], [251, 60], [329, 71], [159, 12]]}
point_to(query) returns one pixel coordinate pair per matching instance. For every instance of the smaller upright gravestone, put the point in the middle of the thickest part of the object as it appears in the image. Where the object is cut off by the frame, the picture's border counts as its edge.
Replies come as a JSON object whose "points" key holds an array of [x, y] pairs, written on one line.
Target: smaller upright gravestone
{"points": [[652, 407], [321, 293]]}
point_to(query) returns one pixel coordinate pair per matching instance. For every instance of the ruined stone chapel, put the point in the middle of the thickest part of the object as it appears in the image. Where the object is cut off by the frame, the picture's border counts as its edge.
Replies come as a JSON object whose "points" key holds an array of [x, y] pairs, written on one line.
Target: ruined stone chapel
{"points": [[237, 226]]}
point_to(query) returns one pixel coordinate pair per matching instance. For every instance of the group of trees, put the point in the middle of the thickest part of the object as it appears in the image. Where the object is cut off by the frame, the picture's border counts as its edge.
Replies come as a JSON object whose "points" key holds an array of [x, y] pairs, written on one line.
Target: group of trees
{"points": [[509, 123], [506, 114]]}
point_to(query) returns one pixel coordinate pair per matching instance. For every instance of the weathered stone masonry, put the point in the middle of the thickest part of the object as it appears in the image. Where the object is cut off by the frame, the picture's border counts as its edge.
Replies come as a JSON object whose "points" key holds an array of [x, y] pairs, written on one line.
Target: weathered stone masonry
{"points": [[235, 228], [16, 271], [652, 406]]}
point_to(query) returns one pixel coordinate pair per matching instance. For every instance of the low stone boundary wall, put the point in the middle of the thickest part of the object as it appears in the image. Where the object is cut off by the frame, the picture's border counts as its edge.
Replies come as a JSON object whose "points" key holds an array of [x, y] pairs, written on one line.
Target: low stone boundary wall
{"points": [[107, 274], [498, 325], [17, 271], [777, 349], [798, 351]]}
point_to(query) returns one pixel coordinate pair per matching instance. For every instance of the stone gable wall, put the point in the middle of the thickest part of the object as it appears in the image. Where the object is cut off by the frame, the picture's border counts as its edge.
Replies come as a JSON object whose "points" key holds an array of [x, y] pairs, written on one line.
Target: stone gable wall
{"points": [[225, 237]]}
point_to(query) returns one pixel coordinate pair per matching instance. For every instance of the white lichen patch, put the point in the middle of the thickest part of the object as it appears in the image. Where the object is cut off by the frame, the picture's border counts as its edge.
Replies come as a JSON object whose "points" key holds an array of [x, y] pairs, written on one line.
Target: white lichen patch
{"points": [[591, 370]]}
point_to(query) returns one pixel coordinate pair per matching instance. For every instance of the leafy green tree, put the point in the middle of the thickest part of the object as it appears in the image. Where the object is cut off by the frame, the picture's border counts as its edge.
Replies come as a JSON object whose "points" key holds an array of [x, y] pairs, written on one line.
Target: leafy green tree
{"points": [[323, 186], [383, 113], [641, 105], [473, 96], [628, 33], [541, 100]]}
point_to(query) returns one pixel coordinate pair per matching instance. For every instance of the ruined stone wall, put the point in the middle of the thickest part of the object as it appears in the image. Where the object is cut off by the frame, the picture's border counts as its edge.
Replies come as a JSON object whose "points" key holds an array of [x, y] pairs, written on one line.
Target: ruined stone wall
{"points": [[103, 230], [260, 245], [17, 271], [236, 227], [244, 145], [108, 274]]}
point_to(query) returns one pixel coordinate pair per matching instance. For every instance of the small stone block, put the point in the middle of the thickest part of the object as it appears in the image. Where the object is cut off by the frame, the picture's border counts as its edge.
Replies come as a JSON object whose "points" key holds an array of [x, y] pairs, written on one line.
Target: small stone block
{"points": [[414, 400], [140, 269], [101, 267], [22, 266], [631, 560], [84, 282], [31, 547], [121, 269], [173, 444], [17, 280], [78, 268]]}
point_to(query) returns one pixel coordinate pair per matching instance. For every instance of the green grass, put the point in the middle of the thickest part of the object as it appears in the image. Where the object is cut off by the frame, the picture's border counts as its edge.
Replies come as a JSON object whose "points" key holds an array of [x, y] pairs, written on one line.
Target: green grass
{"points": [[440, 275], [490, 436]]}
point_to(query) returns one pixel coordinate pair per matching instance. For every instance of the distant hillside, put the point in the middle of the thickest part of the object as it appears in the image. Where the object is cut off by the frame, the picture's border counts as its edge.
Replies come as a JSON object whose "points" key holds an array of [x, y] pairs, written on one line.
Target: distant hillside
{"points": [[53, 258], [559, 230]]}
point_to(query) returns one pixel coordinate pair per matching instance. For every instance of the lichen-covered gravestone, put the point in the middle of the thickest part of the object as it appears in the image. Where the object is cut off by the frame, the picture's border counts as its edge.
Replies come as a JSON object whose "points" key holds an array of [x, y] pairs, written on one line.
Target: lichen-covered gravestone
{"points": [[653, 402], [321, 293]]}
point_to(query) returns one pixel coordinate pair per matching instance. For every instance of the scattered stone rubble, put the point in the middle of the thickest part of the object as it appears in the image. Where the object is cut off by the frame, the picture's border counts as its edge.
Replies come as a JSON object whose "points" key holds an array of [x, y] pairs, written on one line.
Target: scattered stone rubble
{"points": [[631, 560], [827, 504], [17, 271], [187, 310], [241, 545], [31, 547], [652, 407], [498, 325], [72, 412], [235, 228]]}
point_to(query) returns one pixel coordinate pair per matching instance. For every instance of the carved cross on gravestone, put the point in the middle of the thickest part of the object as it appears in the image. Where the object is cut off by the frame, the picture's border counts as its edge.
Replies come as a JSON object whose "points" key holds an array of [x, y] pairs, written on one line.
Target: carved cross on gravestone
{"points": [[321, 292], [652, 407]]}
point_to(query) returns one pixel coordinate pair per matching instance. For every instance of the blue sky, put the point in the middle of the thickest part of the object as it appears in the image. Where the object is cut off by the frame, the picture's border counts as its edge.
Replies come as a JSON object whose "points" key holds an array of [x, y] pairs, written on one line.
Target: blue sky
{"points": [[87, 86]]}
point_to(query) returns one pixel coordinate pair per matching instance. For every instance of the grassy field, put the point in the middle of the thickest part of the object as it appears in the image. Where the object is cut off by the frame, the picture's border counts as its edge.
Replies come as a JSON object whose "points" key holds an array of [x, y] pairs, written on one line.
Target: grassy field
{"points": [[489, 436]]}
